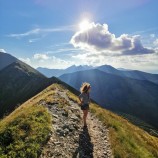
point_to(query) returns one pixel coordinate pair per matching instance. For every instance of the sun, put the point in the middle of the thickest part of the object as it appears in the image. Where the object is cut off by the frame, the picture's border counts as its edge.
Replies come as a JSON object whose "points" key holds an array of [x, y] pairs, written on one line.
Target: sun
{"points": [[84, 25]]}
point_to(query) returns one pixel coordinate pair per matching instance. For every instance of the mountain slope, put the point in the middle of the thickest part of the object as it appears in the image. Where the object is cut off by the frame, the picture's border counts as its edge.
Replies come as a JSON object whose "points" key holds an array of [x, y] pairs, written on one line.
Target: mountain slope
{"points": [[53, 118], [19, 82], [120, 94], [109, 69], [141, 75], [6, 59], [58, 72], [135, 74], [75, 68], [24, 131], [50, 72]]}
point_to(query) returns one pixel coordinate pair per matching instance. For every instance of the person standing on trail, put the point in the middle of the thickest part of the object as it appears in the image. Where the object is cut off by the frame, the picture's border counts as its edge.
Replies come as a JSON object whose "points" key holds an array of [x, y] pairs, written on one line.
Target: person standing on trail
{"points": [[84, 100]]}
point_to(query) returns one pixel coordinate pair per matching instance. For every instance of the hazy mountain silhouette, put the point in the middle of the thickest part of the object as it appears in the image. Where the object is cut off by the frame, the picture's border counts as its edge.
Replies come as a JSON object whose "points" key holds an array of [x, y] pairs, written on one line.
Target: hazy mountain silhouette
{"points": [[58, 72], [135, 74]]}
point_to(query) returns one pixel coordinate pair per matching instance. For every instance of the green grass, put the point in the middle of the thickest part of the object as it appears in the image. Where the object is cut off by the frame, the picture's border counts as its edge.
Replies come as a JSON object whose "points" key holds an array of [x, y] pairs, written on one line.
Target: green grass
{"points": [[26, 130], [140, 123], [127, 140], [24, 134]]}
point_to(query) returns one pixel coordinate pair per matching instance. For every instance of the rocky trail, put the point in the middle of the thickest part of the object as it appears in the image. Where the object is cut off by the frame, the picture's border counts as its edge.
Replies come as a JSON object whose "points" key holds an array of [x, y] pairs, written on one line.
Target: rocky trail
{"points": [[69, 139]]}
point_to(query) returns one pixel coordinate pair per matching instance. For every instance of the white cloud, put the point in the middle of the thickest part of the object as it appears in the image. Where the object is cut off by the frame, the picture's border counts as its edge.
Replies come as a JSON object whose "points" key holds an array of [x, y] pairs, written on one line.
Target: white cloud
{"points": [[98, 38], [25, 60], [145, 62], [40, 31], [147, 31], [152, 35], [43, 60], [155, 42], [41, 56], [33, 40], [52, 62], [2, 51], [31, 32]]}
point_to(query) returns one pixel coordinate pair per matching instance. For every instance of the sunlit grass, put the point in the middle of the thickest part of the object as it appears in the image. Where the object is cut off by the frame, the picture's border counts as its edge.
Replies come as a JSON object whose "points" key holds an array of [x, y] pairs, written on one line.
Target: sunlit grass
{"points": [[23, 134], [127, 140], [27, 129]]}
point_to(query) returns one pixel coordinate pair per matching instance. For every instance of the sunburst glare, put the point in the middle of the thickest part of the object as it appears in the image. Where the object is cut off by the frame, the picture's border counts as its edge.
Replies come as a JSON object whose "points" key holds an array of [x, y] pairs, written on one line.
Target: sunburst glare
{"points": [[84, 25]]}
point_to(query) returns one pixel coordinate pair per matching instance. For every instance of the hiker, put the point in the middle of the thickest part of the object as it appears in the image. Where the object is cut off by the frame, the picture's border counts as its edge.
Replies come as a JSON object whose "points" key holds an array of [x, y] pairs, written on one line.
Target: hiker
{"points": [[84, 100]]}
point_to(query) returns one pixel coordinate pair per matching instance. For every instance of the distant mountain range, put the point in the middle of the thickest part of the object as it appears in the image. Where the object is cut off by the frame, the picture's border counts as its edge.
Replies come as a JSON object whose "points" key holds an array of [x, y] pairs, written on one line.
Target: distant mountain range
{"points": [[123, 91], [58, 72], [18, 83], [135, 74], [129, 93], [120, 94], [123, 69]]}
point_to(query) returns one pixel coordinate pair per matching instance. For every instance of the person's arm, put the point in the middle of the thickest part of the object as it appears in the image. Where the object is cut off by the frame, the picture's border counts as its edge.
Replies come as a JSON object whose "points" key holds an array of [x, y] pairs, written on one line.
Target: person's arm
{"points": [[80, 99]]}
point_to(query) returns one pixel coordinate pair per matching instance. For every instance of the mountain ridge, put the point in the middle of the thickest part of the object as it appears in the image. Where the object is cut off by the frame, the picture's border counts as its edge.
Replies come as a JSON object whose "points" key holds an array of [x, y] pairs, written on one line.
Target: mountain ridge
{"points": [[135, 74], [19, 82], [57, 72], [61, 104], [6, 59]]}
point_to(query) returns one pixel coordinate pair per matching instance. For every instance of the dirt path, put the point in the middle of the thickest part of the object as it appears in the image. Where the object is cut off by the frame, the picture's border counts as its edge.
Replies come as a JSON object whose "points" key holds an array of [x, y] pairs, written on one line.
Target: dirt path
{"points": [[69, 139]]}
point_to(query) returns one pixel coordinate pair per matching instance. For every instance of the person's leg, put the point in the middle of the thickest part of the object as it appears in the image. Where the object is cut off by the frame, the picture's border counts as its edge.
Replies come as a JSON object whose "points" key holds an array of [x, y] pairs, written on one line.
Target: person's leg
{"points": [[84, 116], [85, 113]]}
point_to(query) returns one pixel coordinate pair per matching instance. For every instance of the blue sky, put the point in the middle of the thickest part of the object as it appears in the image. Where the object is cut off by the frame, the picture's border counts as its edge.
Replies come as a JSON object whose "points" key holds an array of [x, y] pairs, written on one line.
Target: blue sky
{"points": [[46, 32]]}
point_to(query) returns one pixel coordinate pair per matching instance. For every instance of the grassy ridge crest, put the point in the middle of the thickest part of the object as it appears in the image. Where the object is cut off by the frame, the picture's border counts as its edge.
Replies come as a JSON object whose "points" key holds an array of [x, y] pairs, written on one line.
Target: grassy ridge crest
{"points": [[26, 130]]}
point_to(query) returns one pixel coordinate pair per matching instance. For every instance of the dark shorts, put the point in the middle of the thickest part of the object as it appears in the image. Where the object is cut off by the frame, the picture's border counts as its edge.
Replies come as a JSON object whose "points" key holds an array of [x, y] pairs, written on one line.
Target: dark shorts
{"points": [[84, 106]]}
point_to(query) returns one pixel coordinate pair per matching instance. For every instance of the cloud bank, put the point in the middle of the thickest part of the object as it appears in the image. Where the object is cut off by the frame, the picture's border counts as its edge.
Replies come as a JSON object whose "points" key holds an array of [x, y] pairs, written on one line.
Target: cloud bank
{"points": [[98, 38], [39, 56], [47, 61], [2, 51]]}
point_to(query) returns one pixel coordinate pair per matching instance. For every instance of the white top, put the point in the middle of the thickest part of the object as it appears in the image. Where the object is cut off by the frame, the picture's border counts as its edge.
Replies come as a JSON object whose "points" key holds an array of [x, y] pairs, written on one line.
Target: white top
{"points": [[85, 98]]}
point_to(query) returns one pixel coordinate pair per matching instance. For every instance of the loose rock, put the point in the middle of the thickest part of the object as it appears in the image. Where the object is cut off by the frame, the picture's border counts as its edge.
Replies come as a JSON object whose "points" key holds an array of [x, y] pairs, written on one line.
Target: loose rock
{"points": [[69, 139]]}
